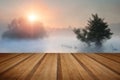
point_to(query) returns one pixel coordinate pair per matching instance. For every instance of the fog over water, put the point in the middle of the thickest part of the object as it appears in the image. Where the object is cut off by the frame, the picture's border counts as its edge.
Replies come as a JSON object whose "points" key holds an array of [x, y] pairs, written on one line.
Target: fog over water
{"points": [[22, 22], [58, 41]]}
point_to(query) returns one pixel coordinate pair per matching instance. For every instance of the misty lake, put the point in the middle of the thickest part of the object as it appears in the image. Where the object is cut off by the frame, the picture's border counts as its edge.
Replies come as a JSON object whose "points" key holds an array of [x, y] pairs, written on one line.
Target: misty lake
{"points": [[58, 42]]}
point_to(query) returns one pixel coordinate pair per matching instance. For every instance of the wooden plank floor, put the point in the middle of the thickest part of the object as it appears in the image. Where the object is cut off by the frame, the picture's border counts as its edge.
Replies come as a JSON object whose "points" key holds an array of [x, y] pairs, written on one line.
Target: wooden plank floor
{"points": [[60, 66]]}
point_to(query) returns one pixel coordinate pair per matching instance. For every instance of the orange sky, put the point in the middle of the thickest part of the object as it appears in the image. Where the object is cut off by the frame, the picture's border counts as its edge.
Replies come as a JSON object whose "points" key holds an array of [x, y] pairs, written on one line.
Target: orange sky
{"points": [[61, 13]]}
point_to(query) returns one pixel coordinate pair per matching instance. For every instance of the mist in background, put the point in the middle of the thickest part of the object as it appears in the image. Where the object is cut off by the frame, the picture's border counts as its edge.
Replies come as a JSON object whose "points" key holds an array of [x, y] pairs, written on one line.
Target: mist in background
{"points": [[58, 40], [23, 29], [59, 18]]}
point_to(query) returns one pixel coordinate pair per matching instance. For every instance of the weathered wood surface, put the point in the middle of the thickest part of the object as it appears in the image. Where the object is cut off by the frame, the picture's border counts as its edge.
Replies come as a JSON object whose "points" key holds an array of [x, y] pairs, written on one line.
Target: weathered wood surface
{"points": [[60, 66]]}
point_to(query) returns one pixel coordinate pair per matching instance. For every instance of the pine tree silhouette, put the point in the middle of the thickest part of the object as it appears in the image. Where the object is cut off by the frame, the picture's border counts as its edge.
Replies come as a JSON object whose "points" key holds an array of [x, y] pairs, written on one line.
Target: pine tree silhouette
{"points": [[97, 31]]}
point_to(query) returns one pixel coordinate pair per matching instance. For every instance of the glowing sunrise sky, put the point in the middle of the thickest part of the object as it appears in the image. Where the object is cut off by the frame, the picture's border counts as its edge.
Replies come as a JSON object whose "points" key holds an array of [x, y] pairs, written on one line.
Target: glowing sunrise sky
{"points": [[61, 13]]}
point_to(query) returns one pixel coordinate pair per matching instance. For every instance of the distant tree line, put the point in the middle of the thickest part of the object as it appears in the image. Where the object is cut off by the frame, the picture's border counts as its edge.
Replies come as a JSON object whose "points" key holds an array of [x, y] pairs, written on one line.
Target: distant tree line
{"points": [[22, 29]]}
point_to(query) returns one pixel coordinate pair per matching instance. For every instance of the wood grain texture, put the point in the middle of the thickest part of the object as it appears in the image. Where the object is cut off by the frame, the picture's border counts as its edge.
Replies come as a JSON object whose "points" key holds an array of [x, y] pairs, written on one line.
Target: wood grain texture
{"points": [[98, 69], [5, 57], [114, 66], [60, 66], [47, 70]]}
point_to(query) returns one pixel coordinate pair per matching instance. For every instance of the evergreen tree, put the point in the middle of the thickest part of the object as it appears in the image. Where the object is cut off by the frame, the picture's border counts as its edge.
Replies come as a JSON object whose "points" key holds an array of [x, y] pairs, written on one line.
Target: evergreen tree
{"points": [[96, 31]]}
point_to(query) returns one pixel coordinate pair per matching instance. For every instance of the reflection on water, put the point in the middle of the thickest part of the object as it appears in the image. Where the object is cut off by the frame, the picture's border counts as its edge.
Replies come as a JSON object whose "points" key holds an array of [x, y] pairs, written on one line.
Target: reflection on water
{"points": [[57, 43]]}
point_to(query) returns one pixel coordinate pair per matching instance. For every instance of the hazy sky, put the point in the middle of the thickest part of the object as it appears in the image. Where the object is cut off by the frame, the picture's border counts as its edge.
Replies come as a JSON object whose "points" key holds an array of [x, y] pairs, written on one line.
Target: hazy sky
{"points": [[61, 13]]}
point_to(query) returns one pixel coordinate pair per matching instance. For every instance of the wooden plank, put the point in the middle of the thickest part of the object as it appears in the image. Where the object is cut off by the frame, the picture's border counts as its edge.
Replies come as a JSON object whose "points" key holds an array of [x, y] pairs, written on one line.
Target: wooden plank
{"points": [[47, 69], [114, 54], [5, 57], [99, 70], [59, 67], [111, 56], [12, 62], [29, 76], [106, 62], [20, 71], [72, 70]]}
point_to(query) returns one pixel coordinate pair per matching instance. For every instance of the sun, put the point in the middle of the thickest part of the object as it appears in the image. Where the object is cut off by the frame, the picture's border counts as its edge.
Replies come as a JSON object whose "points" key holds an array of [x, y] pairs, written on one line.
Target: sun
{"points": [[32, 17]]}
